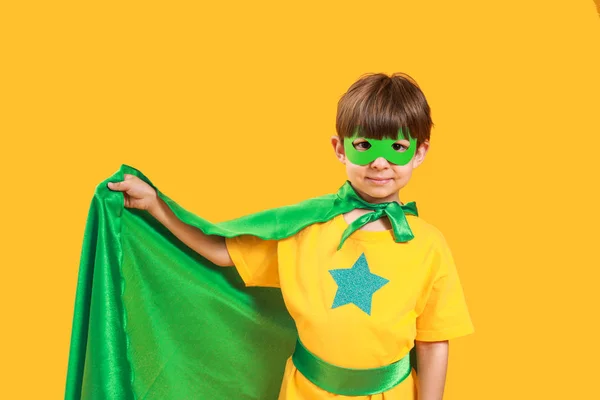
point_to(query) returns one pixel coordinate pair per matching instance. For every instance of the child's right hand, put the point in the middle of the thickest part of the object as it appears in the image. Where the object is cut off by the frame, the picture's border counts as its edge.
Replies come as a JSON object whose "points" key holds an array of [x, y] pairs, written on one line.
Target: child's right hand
{"points": [[138, 194]]}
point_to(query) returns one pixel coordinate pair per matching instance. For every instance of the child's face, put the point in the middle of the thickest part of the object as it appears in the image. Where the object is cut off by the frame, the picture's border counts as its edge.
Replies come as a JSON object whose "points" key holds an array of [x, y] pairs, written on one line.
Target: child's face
{"points": [[379, 181]]}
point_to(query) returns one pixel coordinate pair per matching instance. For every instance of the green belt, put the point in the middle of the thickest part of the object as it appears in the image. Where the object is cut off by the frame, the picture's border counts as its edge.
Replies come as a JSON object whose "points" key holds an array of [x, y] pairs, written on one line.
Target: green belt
{"points": [[349, 381]]}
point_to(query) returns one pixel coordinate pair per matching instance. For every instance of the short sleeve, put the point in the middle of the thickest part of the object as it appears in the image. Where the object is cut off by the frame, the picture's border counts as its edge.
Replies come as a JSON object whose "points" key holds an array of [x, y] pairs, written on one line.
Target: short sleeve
{"points": [[255, 260], [444, 312]]}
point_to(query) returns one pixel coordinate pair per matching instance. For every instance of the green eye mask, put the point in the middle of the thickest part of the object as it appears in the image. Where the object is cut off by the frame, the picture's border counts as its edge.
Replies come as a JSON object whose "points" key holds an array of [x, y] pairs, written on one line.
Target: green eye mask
{"points": [[379, 148]]}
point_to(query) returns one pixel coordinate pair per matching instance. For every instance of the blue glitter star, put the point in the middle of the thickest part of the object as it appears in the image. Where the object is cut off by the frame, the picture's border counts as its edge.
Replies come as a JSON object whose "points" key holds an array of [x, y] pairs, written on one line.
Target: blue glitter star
{"points": [[356, 285]]}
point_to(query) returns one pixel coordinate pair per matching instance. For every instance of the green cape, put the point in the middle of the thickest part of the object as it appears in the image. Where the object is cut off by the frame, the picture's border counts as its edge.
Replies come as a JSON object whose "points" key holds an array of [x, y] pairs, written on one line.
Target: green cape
{"points": [[155, 320]]}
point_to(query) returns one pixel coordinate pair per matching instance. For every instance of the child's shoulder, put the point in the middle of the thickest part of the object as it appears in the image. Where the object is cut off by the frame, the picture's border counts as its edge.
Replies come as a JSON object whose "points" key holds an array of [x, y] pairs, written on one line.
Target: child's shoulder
{"points": [[426, 231]]}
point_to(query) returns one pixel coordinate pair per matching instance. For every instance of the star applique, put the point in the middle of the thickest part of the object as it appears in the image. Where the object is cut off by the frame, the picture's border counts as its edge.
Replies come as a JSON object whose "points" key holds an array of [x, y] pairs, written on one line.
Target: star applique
{"points": [[356, 285]]}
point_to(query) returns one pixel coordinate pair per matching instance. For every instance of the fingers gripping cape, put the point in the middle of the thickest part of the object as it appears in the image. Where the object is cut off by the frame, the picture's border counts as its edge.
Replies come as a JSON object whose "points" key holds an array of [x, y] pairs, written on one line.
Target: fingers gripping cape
{"points": [[155, 320]]}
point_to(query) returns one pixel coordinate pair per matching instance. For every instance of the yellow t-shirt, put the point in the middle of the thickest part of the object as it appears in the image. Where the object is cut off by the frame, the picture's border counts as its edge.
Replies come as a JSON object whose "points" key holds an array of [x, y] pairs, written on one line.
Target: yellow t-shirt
{"points": [[364, 305]]}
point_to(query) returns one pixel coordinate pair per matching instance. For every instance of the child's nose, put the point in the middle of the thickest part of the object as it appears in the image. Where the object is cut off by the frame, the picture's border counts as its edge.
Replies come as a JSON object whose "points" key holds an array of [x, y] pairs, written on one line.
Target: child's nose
{"points": [[380, 163]]}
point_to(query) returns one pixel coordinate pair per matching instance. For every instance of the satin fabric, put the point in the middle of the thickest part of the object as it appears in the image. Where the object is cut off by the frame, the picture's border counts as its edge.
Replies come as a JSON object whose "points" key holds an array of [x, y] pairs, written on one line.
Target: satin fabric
{"points": [[348, 381], [155, 320], [394, 211]]}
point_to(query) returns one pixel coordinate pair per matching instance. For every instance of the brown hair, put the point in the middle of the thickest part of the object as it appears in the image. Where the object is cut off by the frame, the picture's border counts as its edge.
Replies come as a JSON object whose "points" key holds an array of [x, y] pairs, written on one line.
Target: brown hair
{"points": [[379, 105]]}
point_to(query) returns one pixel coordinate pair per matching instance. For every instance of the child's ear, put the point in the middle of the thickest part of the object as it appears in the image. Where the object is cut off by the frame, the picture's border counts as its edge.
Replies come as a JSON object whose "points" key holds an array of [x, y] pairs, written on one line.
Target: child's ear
{"points": [[338, 148], [420, 154]]}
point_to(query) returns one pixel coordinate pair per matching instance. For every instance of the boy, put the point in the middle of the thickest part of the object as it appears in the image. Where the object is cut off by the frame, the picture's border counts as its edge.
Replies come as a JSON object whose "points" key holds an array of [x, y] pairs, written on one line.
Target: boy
{"points": [[364, 286]]}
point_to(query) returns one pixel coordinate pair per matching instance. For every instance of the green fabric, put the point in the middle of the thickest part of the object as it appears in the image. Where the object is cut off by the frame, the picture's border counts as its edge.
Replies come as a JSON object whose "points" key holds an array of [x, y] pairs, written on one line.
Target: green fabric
{"points": [[155, 320], [394, 211], [348, 381]]}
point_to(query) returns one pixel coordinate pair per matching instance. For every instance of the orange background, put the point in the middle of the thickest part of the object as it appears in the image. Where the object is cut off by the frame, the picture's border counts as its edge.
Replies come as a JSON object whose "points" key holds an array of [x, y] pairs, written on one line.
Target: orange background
{"points": [[228, 108]]}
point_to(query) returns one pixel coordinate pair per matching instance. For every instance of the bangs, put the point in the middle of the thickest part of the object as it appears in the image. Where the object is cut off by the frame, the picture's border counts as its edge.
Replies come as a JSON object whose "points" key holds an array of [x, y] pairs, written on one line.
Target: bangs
{"points": [[374, 123]]}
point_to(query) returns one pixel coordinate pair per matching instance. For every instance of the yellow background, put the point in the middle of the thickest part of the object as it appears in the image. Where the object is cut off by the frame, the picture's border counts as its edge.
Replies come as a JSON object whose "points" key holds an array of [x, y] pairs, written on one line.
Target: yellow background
{"points": [[228, 108]]}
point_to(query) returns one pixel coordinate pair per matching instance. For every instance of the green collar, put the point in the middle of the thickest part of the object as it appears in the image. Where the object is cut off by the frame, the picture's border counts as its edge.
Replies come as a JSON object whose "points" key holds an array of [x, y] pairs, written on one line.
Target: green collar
{"points": [[393, 210]]}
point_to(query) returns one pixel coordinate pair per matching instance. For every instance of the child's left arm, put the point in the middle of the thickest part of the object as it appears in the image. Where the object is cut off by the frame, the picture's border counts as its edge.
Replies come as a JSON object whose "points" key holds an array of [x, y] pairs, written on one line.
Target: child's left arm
{"points": [[442, 315], [432, 364]]}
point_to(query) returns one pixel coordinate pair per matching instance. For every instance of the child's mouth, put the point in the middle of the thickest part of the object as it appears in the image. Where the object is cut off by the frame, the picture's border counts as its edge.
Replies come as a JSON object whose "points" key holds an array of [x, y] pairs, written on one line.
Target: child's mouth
{"points": [[379, 181]]}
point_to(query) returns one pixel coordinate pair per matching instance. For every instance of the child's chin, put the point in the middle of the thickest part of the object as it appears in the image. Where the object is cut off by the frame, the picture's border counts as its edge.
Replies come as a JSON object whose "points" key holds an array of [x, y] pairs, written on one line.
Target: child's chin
{"points": [[380, 192]]}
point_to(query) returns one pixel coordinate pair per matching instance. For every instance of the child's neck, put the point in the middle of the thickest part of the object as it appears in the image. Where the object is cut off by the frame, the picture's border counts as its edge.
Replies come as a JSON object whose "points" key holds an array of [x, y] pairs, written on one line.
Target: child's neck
{"points": [[376, 200]]}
